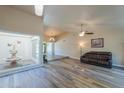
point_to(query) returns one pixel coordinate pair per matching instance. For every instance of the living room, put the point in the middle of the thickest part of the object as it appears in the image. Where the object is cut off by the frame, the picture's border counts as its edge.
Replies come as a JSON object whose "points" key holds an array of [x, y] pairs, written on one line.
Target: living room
{"points": [[99, 21], [85, 43]]}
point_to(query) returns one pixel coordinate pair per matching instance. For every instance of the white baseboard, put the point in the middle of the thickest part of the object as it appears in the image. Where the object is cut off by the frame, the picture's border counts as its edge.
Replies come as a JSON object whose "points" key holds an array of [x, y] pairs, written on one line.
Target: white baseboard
{"points": [[35, 60], [115, 65], [75, 58]]}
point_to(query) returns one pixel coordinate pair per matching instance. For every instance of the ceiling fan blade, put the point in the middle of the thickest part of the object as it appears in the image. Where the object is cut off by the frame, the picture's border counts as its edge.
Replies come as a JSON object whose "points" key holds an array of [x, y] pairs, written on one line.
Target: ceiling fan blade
{"points": [[89, 33]]}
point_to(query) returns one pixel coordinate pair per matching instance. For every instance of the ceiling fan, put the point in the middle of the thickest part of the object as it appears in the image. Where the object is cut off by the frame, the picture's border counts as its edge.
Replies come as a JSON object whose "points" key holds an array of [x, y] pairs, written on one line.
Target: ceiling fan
{"points": [[83, 32]]}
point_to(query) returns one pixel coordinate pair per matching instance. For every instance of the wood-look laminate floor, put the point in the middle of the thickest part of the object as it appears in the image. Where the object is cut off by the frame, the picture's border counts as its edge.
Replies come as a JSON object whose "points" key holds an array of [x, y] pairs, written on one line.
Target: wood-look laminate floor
{"points": [[65, 73]]}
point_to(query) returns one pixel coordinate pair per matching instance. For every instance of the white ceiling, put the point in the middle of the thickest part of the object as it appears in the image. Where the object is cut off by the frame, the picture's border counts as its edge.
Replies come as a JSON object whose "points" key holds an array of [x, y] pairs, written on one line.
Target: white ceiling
{"points": [[69, 17], [24, 8]]}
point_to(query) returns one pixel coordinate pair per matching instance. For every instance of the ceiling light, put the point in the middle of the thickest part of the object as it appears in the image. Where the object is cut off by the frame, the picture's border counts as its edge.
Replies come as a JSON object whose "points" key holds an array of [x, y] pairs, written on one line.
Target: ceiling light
{"points": [[81, 33], [38, 10], [52, 39]]}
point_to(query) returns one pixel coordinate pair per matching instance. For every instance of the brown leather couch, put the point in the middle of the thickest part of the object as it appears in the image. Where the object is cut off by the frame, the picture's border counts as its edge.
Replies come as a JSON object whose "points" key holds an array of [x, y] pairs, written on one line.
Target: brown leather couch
{"points": [[103, 59]]}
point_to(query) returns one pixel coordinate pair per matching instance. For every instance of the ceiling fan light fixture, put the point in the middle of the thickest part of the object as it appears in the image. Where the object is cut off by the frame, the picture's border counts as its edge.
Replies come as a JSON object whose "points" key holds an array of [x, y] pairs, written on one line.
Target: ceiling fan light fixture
{"points": [[81, 33]]}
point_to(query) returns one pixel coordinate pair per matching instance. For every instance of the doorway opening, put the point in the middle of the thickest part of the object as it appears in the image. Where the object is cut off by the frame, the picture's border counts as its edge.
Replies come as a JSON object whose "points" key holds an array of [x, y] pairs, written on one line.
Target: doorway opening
{"points": [[18, 50]]}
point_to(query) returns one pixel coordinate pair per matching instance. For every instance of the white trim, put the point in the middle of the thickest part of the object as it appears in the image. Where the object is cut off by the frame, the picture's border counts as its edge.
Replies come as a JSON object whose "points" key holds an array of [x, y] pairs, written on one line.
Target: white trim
{"points": [[19, 69], [118, 65], [14, 34], [75, 58], [35, 60]]}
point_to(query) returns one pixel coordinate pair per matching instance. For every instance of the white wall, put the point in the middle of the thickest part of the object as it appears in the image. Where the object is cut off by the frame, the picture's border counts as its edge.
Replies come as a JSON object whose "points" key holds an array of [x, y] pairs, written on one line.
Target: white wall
{"points": [[113, 42], [24, 48], [17, 21]]}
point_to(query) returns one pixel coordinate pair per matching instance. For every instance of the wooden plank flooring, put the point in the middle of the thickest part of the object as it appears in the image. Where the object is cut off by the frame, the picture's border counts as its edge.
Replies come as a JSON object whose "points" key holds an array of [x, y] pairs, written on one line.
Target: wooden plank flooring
{"points": [[65, 73]]}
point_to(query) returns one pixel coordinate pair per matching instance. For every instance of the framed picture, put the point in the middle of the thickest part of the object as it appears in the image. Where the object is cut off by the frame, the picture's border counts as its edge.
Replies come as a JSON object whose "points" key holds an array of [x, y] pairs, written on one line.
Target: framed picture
{"points": [[97, 43]]}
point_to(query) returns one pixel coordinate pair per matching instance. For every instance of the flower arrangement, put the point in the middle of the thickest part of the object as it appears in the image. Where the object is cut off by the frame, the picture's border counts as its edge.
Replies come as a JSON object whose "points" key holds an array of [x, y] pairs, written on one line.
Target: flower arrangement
{"points": [[13, 50]]}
